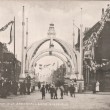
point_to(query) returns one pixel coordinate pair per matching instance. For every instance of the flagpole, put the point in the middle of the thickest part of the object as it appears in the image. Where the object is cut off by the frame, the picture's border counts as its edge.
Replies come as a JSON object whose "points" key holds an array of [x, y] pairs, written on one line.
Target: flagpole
{"points": [[81, 48], [22, 55], [26, 44], [26, 33], [14, 52]]}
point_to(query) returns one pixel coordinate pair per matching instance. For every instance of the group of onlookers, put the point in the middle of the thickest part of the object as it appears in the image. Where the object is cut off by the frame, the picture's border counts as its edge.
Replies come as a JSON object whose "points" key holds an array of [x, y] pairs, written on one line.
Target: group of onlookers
{"points": [[9, 87], [53, 90]]}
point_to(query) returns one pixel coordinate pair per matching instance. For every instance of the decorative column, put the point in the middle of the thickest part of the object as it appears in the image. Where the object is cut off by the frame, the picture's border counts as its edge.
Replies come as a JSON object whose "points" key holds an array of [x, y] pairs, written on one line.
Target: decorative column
{"points": [[81, 48], [26, 48], [22, 75]]}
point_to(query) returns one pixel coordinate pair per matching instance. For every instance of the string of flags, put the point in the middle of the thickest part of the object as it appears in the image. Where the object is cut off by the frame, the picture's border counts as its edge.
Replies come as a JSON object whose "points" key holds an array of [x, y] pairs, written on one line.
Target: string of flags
{"points": [[45, 66]]}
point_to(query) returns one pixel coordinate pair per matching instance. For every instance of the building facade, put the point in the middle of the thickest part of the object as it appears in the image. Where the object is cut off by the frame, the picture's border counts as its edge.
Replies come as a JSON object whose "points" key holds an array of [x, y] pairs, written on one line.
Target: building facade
{"points": [[96, 53], [9, 65]]}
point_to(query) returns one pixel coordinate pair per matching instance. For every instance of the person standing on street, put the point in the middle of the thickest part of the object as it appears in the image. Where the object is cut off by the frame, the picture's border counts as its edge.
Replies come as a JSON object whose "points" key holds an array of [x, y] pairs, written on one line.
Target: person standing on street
{"points": [[97, 86], [46, 86], [43, 92], [61, 91], [72, 90], [39, 85], [51, 92], [28, 84], [22, 88], [94, 87], [55, 92]]}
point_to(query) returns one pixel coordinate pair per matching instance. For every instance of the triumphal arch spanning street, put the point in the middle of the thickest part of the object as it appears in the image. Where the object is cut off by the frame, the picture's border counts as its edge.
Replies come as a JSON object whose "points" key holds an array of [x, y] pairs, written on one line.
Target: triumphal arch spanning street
{"points": [[69, 59]]}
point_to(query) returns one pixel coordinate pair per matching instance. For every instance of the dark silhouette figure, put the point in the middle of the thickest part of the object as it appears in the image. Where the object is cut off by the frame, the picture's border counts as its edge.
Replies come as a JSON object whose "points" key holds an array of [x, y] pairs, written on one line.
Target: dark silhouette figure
{"points": [[61, 92], [15, 87], [47, 87], [22, 88], [52, 91], [43, 92], [55, 93], [39, 85], [94, 87], [28, 84], [4, 89], [72, 90], [66, 89]]}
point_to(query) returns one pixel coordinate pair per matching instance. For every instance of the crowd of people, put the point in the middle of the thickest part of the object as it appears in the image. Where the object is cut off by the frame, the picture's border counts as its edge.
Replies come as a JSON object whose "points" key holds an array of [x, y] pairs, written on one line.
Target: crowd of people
{"points": [[8, 87], [53, 90]]}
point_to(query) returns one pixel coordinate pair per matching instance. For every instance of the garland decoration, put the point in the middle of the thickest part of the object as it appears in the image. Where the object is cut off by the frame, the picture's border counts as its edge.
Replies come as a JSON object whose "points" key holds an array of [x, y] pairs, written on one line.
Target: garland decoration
{"points": [[92, 41]]}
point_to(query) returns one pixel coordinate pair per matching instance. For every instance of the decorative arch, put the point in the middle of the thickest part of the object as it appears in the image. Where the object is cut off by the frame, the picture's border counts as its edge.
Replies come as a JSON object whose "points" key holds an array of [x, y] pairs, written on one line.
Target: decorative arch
{"points": [[54, 50], [66, 47], [69, 53]]}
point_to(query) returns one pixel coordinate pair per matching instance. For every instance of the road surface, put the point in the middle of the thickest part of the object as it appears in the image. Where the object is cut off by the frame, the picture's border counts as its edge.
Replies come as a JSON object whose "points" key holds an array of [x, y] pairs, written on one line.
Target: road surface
{"points": [[85, 101]]}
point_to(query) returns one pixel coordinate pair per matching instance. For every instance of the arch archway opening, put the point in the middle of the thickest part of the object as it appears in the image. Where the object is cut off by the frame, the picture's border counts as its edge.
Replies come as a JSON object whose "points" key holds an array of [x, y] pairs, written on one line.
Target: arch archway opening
{"points": [[46, 66]]}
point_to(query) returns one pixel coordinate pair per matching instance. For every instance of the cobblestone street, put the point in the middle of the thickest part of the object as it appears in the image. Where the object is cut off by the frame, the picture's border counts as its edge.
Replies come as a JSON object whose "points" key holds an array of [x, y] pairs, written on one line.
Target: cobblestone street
{"points": [[86, 101]]}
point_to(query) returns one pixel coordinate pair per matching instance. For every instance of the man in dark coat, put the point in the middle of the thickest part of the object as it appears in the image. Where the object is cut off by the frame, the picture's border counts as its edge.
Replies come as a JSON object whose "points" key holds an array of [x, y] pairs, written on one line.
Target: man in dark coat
{"points": [[22, 88], [4, 89], [94, 87], [15, 87], [39, 85], [72, 90], [66, 89], [47, 87], [61, 91], [43, 92], [55, 92], [1, 86], [28, 84], [1, 81], [52, 92]]}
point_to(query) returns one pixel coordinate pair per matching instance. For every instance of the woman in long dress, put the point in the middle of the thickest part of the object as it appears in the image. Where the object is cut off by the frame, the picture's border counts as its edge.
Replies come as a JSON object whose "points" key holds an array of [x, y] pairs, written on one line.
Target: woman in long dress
{"points": [[97, 86]]}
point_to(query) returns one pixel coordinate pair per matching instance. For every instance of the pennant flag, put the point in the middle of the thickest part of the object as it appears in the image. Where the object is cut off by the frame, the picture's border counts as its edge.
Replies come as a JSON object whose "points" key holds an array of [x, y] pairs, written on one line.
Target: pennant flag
{"points": [[40, 64], [10, 35], [5, 27], [35, 64], [48, 65]]}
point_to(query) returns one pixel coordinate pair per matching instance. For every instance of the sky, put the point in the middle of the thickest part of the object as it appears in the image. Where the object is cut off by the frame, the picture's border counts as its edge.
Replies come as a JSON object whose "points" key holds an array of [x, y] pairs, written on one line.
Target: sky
{"points": [[42, 13]]}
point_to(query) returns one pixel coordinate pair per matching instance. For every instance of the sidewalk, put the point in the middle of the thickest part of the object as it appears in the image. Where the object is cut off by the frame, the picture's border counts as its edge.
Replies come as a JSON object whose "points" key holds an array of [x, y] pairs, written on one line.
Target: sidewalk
{"points": [[98, 93]]}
